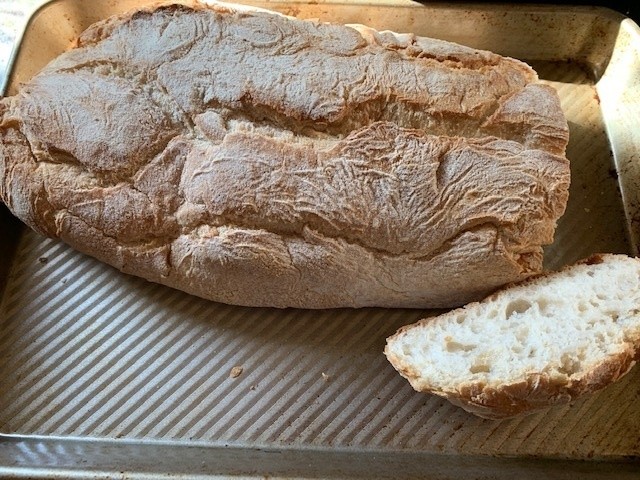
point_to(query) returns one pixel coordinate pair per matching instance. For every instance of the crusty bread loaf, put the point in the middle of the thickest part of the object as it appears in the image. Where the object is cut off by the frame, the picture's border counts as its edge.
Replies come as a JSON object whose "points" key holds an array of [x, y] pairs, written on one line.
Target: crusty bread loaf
{"points": [[254, 159], [546, 341]]}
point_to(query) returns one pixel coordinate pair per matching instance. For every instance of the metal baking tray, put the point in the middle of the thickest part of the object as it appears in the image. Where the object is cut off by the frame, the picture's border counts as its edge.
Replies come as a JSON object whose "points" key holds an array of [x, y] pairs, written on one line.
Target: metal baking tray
{"points": [[103, 375]]}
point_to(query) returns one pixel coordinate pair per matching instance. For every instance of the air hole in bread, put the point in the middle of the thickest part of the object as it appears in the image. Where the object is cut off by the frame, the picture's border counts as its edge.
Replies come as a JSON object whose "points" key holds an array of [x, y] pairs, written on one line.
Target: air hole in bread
{"points": [[517, 306], [582, 307], [480, 368], [459, 319], [569, 365], [613, 315], [543, 305], [453, 346], [522, 333]]}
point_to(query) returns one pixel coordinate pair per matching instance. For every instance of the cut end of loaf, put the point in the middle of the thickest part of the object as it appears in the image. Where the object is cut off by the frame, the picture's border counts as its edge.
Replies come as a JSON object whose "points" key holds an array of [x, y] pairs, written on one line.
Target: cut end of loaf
{"points": [[529, 346]]}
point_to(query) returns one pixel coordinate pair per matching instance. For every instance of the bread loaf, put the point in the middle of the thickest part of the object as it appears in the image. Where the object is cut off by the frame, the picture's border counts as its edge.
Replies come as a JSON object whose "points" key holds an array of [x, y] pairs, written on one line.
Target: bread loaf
{"points": [[255, 159], [545, 342]]}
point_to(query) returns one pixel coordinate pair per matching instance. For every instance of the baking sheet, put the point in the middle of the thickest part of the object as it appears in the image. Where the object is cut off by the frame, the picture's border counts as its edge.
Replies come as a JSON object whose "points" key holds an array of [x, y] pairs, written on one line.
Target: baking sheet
{"points": [[102, 373]]}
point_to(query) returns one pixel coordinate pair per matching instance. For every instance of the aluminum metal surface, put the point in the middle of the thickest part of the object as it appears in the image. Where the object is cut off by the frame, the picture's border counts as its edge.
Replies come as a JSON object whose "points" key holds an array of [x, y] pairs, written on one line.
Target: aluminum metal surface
{"points": [[136, 377]]}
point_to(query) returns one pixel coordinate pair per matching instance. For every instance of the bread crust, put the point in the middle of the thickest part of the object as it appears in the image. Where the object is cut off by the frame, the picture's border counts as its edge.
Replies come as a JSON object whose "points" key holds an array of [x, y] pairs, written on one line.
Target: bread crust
{"points": [[539, 390], [259, 160]]}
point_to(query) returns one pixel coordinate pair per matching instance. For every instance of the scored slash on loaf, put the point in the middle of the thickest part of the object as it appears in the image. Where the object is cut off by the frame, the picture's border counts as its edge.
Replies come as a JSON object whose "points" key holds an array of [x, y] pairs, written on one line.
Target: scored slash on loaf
{"points": [[544, 342], [255, 159]]}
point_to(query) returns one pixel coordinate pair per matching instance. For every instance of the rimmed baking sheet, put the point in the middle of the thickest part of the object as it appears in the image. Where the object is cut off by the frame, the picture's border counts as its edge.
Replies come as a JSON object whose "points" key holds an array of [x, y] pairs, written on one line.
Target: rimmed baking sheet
{"points": [[101, 372]]}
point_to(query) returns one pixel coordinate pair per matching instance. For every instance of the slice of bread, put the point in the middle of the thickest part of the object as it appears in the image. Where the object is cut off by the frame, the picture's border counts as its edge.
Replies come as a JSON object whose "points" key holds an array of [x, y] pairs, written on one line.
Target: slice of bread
{"points": [[529, 346]]}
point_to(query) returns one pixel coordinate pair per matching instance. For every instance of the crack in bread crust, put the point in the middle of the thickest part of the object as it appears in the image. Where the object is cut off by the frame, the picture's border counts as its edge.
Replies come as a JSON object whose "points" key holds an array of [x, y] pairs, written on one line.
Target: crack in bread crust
{"points": [[384, 147]]}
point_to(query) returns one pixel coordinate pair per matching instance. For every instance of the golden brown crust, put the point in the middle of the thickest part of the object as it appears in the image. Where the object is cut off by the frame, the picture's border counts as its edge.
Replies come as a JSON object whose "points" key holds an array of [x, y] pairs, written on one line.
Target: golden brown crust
{"points": [[538, 391], [258, 160]]}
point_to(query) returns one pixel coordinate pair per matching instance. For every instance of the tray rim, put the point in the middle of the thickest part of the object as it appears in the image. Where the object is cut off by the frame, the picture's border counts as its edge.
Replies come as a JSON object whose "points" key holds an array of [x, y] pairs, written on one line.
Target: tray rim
{"points": [[621, 152], [534, 8], [219, 460]]}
